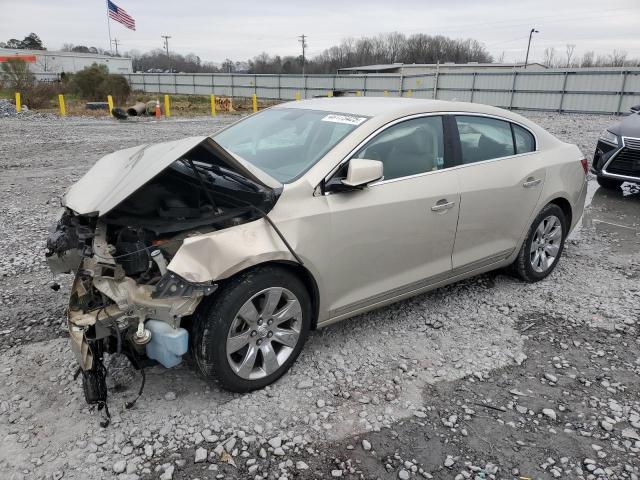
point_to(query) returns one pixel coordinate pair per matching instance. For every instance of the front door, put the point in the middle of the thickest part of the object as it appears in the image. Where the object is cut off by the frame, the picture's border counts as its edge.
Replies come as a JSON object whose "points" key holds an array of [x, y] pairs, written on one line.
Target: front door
{"points": [[391, 237]]}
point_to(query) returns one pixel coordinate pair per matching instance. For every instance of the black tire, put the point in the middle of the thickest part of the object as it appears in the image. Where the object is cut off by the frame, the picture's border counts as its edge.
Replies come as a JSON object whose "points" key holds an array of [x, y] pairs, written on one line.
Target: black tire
{"points": [[523, 266], [609, 183], [211, 326]]}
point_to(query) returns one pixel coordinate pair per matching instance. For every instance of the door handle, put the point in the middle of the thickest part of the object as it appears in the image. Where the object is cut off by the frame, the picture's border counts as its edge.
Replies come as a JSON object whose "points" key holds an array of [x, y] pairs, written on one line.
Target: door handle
{"points": [[531, 182], [442, 205]]}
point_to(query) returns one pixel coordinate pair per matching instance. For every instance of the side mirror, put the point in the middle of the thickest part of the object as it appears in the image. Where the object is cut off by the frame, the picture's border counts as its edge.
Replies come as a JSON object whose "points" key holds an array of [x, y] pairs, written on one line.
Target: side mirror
{"points": [[362, 172]]}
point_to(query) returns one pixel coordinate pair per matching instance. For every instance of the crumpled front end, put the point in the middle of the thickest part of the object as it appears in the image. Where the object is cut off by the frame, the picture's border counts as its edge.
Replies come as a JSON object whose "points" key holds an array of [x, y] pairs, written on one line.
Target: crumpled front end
{"points": [[119, 288], [124, 299]]}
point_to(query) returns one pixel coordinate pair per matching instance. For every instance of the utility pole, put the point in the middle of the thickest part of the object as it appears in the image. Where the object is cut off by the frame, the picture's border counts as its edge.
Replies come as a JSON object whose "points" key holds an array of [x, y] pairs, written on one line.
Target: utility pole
{"points": [[303, 41], [526, 60], [116, 42], [166, 47]]}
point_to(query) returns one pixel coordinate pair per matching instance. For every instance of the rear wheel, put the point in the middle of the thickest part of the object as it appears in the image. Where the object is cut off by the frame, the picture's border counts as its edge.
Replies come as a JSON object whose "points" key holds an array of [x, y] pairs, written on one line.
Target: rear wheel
{"points": [[609, 183], [253, 329], [543, 246]]}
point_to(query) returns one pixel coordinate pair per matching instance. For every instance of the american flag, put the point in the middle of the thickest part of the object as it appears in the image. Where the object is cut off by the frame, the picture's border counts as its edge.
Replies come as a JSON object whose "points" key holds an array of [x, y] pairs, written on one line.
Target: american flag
{"points": [[119, 15]]}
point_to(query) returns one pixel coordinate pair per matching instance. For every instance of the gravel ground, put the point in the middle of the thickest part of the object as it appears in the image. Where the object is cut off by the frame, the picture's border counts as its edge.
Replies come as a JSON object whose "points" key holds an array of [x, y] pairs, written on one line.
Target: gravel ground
{"points": [[486, 378]]}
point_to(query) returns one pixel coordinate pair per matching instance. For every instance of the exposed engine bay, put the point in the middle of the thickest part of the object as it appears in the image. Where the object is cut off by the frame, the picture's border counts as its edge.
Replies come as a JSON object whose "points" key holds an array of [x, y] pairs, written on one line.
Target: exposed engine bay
{"points": [[124, 298]]}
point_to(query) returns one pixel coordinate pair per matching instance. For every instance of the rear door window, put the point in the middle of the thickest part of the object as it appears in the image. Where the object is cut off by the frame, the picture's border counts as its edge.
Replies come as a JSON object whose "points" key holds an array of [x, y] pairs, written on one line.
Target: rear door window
{"points": [[483, 138]]}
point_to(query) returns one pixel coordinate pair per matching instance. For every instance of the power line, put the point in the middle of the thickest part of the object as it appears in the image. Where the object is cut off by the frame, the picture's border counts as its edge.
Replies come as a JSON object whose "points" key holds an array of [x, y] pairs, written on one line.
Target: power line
{"points": [[166, 46], [303, 40], [116, 42]]}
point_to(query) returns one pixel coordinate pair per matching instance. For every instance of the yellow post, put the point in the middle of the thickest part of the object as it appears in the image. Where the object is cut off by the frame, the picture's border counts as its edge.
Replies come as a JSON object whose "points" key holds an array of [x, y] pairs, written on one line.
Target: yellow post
{"points": [[167, 106], [409, 93], [358, 93], [110, 102], [213, 105], [386, 93], [255, 103], [330, 93], [297, 95], [18, 103], [63, 108]]}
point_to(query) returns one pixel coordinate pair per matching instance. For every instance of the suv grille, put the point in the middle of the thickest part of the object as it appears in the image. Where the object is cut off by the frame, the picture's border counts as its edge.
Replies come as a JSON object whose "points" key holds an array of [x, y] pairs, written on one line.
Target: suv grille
{"points": [[627, 161], [632, 143]]}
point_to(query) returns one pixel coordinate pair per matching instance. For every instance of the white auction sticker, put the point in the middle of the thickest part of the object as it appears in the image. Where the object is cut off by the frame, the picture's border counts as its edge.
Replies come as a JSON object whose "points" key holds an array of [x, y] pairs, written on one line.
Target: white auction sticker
{"points": [[348, 119]]}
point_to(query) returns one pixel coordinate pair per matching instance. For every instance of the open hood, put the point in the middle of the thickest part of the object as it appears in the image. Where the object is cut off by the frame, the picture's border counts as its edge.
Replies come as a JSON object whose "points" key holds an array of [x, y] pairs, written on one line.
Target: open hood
{"points": [[118, 175]]}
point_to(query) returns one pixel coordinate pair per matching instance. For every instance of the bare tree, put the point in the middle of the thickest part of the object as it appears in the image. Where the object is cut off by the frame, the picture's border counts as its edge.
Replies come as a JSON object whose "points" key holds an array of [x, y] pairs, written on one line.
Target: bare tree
{"points": [[549, 57], [570, 49], [588, 60], [618, 58]]}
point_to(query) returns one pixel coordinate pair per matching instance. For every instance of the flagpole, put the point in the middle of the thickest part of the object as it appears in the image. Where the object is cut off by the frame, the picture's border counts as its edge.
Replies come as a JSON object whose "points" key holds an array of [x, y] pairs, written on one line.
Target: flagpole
{"points": [[109, 28]]}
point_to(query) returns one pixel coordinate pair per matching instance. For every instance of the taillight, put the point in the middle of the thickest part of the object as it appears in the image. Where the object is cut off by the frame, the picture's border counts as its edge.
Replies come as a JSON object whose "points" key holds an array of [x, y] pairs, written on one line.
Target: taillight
{"points": [[585, 165]]}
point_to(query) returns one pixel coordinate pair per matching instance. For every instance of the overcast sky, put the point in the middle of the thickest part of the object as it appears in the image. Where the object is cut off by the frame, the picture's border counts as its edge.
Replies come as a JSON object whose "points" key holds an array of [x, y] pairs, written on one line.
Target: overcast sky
{"points": [[243, 28]]}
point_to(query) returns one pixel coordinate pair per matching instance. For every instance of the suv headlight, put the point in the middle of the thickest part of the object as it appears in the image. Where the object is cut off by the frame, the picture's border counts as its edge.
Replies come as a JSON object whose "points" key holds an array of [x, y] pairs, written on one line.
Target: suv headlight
{"points": [[607, 136]]}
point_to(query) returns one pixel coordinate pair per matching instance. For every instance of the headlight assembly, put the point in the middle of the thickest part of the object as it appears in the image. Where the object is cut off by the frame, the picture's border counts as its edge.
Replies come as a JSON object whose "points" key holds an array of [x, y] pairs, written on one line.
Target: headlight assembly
{"points": [[607, 136]]}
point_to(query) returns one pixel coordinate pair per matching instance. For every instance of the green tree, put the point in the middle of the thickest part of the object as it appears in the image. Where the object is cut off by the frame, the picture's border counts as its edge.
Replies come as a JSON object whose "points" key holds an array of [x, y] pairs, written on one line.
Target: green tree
{"points": [[30, 42], [94, 83]]}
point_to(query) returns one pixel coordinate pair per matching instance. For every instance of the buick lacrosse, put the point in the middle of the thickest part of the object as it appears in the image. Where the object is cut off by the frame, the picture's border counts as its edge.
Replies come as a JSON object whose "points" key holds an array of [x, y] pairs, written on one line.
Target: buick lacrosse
{"points": [[233, 247]]}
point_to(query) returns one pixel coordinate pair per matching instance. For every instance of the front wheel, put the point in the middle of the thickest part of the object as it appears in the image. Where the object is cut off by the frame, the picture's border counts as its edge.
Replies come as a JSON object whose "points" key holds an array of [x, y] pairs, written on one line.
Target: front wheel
{"points": [[609, 183], [543, 246], [253, 330]]}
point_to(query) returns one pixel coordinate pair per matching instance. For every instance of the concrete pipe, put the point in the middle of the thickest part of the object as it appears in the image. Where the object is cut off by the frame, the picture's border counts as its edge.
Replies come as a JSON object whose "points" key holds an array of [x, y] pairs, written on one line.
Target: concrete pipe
{"points": [[137, 110]]}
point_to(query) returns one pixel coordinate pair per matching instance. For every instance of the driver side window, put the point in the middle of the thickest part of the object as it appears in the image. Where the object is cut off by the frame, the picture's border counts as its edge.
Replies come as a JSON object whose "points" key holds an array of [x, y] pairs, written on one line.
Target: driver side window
{"points": [[408, 148]]}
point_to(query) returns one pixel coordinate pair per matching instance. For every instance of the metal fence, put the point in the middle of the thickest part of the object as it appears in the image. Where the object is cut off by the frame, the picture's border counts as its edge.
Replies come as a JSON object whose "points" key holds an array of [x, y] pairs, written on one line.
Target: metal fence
{"points": [[577, 90]]}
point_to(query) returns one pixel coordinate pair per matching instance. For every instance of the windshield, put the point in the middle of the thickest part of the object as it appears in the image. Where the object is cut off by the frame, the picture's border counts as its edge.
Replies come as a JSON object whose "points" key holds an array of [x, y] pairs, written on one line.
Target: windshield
{"points": [[286, 142]]}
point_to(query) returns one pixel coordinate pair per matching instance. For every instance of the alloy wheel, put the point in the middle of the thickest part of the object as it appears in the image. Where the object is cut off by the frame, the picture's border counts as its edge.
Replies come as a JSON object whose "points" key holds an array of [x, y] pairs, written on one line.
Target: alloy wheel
{"points": [[264, 333], [546, 244]]}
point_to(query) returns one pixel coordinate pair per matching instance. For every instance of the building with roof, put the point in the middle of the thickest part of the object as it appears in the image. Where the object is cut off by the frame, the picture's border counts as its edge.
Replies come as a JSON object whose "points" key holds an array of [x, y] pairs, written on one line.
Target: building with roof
{"points": [[53, 62], [423, 68]]}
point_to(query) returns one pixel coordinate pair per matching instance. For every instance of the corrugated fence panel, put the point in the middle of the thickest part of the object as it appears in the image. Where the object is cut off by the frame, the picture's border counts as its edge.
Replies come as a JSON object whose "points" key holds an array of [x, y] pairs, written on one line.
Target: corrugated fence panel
{"points": [[582, 102], [632, 83], [454, 95], [184, 84], [629, 101], [320, 83], [497, 99], [456, 81], [584, 90], [494, 81], [378, 84], [596, 82], [422, 82], [203, 84], [152, 83], [536, 100], [539, 82], [349, 82]]}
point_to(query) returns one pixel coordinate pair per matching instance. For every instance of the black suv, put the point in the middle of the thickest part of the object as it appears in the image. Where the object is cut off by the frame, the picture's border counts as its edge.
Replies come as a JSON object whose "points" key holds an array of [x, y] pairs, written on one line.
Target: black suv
{"points": [[617, 157]]}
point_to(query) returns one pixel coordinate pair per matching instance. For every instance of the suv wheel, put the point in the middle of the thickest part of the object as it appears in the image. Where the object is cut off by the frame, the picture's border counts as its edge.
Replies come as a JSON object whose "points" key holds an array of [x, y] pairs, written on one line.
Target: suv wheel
{"points": [[543, 246], [609, 183], [253, 329]]}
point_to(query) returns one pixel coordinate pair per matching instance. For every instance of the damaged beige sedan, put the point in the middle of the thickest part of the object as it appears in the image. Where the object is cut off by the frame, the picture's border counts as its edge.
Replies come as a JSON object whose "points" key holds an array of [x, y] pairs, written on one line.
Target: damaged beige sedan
{"points": [[233, 247]]}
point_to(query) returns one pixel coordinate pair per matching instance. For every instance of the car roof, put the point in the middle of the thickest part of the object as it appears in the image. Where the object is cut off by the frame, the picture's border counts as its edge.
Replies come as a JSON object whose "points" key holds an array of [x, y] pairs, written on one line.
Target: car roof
{"points": [[390, 106]]}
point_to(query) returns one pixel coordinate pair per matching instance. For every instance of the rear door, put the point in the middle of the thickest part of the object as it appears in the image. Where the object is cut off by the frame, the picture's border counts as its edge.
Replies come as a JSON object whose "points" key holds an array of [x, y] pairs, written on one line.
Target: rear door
{"points": [[501, 178], [392, 236]]}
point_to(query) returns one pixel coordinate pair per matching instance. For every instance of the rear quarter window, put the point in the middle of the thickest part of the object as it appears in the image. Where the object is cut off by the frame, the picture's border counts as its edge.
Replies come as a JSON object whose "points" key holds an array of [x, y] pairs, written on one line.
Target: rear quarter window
{"points": [[525, 142]]}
